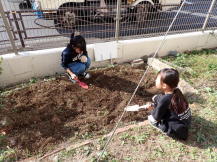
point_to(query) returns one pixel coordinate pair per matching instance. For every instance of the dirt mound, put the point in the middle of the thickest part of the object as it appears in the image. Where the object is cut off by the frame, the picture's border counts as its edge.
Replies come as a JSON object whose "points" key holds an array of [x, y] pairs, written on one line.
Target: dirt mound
{"points": [[47, 113]]}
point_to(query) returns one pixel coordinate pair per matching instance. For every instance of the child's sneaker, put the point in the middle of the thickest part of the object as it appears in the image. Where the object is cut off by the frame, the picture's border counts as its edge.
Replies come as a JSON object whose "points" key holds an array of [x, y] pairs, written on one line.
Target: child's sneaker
{"points": [[86, 75], [70, 78]]}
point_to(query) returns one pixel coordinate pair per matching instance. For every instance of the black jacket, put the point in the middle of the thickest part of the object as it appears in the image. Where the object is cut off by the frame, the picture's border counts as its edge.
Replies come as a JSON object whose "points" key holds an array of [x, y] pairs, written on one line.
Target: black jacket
{"points": [[175, 125], [68, 55]]}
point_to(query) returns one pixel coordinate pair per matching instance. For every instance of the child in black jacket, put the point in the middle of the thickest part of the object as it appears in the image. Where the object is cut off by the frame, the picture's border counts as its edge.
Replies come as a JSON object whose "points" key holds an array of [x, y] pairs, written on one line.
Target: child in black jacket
{"points": [[171, 113], [75, 59]]}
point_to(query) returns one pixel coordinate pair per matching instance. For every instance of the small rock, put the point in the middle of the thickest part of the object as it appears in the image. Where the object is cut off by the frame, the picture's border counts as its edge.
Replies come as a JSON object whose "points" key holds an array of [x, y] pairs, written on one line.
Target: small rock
{"points": [[56, 120], [12, 141], [172, 53], [137, 62], [5, 121]]}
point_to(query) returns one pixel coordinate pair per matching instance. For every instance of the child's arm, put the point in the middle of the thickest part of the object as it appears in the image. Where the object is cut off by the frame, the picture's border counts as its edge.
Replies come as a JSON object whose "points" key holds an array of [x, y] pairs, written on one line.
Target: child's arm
{"points": [[161, 109], [66, 58]]}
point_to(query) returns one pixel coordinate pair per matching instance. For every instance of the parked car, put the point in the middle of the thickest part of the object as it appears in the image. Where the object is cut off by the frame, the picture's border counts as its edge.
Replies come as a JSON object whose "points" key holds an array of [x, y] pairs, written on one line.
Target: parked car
{"points": [[69, 13]]}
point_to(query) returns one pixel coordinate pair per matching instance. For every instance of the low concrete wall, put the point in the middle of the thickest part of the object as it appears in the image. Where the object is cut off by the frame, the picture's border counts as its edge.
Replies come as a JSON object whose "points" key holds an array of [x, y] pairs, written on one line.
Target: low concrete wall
{"points": [[18, 68], [185, 87]]}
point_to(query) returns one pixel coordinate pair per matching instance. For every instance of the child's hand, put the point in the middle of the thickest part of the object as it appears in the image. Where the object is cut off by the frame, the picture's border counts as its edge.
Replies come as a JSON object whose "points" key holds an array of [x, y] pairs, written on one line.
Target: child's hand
{"points": [[83, 59], [149, 106]]}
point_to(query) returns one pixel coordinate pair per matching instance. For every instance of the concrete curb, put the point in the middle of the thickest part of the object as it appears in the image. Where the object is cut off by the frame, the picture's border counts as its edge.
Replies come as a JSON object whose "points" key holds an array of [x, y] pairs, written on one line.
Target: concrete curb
{"points": [[22, 67], [185, 87]]}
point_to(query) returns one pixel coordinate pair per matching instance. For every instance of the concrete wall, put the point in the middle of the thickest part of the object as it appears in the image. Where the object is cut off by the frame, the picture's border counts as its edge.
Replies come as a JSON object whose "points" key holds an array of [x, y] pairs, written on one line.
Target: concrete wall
{"points": [[18, 68]]}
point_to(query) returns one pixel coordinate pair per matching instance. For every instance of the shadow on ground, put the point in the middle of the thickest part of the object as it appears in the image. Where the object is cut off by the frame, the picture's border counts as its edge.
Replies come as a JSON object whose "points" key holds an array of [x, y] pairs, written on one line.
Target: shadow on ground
{"points": [[202, 133]]}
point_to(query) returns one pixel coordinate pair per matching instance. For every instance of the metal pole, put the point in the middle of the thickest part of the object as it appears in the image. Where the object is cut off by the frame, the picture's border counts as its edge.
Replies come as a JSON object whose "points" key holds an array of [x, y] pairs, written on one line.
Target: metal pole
{"points": [[208, 14], [18, 29], [162, 43], [118, 17], [7, 27]]}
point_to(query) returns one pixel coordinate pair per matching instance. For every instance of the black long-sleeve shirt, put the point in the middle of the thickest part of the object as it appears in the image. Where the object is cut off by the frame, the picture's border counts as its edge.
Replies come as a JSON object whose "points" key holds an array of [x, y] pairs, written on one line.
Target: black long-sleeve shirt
{"points": [[174, 124]]}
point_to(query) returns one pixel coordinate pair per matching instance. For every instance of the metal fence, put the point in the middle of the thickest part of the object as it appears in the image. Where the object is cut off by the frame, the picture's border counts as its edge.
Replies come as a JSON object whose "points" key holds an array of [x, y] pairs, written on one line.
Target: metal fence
{"points": [[39, 24]]}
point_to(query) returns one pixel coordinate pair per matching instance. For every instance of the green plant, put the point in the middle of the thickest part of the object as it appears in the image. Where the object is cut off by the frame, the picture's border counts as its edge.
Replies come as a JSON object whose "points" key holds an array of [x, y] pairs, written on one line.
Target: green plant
{"points": [[86, 135], [212, 67], [87, 150], [33, 80], [211, 91], [140, 139], [125, 136], [102, 142], [7, 154], [66, 154], [104, 157]]}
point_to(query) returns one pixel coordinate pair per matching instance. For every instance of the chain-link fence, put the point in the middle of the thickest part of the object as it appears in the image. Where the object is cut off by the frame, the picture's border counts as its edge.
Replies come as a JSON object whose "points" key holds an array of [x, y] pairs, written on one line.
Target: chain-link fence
{"points": [[4, 41], [39, 24], [212, 21]]}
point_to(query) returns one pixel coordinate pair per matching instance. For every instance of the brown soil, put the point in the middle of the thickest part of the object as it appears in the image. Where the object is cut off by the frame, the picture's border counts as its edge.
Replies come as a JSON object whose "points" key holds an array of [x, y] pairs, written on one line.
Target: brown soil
{"points": [[48, 113]]}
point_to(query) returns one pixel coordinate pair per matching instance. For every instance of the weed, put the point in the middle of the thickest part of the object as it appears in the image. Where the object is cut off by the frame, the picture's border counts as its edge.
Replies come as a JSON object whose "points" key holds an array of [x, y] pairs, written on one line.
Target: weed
{"points": [[125, 136], [104, 157], [211, 91], [212, 67], [7, 154], [128, 158], [212, 154], [2, 139], [87, 150], [140, 139], [86, 135], [66, 154], [33, 80], [158, 152]]}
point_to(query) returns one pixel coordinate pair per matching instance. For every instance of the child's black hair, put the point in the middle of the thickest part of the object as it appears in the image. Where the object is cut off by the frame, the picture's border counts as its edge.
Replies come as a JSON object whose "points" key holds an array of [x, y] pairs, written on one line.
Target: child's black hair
{"points": [[77, 41], [170, 77], [80, 43]]}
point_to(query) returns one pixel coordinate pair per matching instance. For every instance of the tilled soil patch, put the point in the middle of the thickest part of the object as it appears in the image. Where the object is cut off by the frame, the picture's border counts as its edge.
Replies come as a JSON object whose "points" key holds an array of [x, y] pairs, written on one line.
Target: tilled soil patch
{"points": [[47, 113]]}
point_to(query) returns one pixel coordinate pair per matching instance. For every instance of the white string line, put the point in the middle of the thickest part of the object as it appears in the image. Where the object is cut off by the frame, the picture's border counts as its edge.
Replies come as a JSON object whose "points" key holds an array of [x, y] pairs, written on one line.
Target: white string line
{"points": [[161, 45]]}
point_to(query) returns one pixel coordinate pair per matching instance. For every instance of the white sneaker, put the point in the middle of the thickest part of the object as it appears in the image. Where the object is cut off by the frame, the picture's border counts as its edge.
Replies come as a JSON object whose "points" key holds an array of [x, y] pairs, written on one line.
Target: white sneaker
{"points": [[86, 75]]}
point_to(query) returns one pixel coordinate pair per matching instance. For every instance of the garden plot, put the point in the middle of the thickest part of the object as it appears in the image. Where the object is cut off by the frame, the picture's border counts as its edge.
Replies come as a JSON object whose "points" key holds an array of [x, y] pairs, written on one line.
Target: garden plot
{"points": [[47, 113]]}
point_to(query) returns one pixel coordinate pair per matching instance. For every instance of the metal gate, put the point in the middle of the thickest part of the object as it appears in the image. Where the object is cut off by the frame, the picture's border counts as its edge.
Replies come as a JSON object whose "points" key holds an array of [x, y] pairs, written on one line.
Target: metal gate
{"points": [[28, 28]]}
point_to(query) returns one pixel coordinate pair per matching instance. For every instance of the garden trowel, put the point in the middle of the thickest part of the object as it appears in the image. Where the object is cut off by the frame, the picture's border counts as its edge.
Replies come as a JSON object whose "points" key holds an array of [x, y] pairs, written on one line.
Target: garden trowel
{"points": [[136, 107], [80, 83]]}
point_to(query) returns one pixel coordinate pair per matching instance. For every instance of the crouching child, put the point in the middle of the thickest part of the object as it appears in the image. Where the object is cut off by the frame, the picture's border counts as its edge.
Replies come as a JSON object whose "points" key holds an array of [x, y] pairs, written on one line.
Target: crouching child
{"points": [[75, 58]]}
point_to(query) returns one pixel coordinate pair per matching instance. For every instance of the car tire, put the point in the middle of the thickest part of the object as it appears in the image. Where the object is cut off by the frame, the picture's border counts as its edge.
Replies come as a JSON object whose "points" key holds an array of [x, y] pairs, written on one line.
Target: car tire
{"points": [[143, 12], [68, 17]]}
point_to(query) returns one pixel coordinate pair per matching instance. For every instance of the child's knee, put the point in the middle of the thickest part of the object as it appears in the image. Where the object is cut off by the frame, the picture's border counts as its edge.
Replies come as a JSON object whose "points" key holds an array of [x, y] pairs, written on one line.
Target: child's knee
{"points": [[88, 63], [78, 68]]}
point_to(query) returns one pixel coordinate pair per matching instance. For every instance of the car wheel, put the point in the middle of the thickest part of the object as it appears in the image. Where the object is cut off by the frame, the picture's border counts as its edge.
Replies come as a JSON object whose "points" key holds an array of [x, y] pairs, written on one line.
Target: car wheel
{"points": [[66, 18], [142, 12]]}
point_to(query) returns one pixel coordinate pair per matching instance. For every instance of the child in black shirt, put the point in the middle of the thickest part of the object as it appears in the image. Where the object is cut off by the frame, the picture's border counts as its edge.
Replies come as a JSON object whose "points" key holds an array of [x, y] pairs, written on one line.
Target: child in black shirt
{"points": [[171, 113]]}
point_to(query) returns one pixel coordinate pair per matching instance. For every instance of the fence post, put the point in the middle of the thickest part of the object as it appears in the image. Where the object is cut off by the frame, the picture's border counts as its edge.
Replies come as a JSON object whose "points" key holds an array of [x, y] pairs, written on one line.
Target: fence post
{"points": [[118, 17], [208, 14], [7, 27], [18, 29]]}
